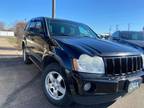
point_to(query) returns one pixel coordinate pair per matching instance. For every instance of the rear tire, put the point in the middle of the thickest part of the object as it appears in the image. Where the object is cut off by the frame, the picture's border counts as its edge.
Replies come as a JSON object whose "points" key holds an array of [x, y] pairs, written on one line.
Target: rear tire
{"points": [[26, 57], [54, 85]]}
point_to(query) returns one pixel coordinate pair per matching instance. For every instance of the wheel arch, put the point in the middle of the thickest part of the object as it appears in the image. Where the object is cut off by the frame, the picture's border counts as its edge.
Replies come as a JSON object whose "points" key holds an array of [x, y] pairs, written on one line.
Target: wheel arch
{"points": [[56, 59], [23, 44]]}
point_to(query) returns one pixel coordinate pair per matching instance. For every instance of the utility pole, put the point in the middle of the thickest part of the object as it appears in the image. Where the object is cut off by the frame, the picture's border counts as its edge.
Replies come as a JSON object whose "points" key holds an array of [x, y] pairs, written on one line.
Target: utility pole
{"points": [[143, 30], [25, 20], [110, 29], [53, 9], [129, 26], [117, 27]]}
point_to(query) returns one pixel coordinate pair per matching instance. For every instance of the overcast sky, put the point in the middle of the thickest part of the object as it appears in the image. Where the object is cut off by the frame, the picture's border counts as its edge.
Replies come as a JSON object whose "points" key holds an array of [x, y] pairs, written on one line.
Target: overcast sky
{"points": [[98, 14]]}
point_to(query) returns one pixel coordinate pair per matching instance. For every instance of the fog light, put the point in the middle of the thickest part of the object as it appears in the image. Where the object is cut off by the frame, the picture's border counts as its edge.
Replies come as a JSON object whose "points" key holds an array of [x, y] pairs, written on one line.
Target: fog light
{"points": [[87, 86]]}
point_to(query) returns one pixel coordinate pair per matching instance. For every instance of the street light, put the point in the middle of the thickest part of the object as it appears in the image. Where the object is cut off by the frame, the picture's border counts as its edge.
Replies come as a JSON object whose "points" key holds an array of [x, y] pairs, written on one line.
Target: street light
{"points": [[53, 8]]}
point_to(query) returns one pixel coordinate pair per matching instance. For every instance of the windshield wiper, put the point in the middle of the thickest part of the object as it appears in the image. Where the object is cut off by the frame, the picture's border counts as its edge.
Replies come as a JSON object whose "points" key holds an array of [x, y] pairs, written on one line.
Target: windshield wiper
{"points": [[89, 36], [86, 36], [59, 34], [64, 34]]}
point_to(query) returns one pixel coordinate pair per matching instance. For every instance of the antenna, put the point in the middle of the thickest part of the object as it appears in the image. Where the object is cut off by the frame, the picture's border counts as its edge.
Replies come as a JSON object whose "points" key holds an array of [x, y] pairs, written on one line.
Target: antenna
{"points": [[129, 26]]}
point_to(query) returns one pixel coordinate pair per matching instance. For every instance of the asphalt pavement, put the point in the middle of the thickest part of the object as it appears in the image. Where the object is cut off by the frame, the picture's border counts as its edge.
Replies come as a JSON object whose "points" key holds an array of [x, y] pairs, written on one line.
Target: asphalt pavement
{"points": [[20, 87]]}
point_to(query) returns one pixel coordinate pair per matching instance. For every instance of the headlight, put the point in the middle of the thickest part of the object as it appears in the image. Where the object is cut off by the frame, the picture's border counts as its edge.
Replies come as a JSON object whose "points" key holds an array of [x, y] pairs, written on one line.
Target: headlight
{"points": [[143, 59], [89, 64]]}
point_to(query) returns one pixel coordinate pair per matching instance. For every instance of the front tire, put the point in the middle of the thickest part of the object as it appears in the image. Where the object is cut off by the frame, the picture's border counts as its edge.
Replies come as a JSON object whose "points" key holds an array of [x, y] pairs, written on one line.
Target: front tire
{"points": [[55, 85]]}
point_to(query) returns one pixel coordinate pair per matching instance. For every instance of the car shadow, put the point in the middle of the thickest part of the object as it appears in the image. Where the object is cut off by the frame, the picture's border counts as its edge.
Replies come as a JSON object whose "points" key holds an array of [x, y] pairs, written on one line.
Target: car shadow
{"points": [[90, 106], [8, 48], [28, 91]]}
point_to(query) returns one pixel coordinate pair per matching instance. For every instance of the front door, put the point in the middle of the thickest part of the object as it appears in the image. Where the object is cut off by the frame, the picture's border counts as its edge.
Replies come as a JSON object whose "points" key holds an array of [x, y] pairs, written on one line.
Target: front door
{"points": [[39, 41]]}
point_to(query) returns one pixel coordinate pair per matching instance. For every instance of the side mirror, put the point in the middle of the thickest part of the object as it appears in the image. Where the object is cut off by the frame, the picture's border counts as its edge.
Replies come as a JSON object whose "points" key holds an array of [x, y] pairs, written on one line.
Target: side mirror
{"points": [[29, 33], [36, 32]]}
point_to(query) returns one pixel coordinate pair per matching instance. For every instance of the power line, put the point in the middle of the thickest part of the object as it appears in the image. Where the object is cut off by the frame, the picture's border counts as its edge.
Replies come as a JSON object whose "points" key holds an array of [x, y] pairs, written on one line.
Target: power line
{"points": [[129, 26], [110, 29]]}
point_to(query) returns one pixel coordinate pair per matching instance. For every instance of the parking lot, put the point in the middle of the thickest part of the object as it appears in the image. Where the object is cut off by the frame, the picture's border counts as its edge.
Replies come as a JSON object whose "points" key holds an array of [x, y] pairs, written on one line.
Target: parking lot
{"points": [[20, 86]]}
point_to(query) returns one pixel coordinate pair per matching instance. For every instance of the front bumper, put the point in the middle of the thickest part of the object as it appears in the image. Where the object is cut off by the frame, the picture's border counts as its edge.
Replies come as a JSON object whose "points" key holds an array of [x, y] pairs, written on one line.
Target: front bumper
{"points": [[103, 89]]}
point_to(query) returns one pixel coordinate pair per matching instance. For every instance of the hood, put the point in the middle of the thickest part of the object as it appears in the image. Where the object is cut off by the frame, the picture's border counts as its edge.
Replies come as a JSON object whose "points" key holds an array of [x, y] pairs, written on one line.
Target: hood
{"points": [[137, 43], [94, 47]]}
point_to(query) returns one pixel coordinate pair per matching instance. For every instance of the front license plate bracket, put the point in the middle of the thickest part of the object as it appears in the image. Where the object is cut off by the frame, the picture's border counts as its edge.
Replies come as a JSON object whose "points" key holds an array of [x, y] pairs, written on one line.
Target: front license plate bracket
{"points": [[133, 84]]}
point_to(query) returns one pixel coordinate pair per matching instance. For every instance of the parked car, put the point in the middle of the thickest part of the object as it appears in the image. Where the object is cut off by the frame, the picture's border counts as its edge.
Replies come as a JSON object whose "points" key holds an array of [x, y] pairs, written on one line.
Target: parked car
{"points": [[77, 66], [131, 38], [105, 36]]}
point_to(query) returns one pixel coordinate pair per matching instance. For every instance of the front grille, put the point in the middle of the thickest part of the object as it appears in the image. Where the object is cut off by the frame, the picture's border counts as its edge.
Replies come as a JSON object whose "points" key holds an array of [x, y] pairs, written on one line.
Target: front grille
{"points": [[123, 65]]}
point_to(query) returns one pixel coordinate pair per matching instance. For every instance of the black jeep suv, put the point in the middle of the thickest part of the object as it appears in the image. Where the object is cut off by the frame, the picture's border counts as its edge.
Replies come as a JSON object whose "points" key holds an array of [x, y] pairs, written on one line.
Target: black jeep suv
{"points": [[77, 66]]}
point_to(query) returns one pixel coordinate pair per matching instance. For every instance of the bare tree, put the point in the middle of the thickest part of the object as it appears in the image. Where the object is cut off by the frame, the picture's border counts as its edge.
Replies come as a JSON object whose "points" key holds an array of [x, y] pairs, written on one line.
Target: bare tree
{"points": [[19, 32], [19, 29], [2, 26]]}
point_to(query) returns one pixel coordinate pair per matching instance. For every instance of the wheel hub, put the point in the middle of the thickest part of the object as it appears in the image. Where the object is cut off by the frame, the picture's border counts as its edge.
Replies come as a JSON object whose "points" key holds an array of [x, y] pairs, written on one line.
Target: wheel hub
{"points": [[55, 85]]}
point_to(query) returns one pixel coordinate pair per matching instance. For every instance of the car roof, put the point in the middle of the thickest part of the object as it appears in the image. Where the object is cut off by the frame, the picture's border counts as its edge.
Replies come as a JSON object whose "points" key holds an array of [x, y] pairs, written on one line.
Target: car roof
{"points": [[55, 19], [129, 31]]}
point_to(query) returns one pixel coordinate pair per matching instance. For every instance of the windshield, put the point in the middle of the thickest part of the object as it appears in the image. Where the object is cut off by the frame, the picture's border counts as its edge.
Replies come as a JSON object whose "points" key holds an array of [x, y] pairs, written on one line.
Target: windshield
{"points": [[132, 35], [67, 28]]}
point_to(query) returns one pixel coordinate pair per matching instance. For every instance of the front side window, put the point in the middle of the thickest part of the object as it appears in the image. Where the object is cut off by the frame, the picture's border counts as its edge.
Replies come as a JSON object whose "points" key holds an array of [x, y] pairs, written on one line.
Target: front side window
{"points": [[66, 28], [31, 26], [39, 27]]}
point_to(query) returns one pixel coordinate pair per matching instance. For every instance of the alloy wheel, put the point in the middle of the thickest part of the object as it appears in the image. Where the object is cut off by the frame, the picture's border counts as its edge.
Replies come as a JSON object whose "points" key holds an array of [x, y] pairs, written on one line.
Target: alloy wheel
{"points": [[55, 85]]}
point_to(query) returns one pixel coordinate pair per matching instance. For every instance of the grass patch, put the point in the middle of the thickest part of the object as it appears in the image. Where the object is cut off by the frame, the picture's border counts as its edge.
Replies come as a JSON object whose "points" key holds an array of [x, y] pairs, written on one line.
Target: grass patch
{"points": [[12, 40], [15, 42]]}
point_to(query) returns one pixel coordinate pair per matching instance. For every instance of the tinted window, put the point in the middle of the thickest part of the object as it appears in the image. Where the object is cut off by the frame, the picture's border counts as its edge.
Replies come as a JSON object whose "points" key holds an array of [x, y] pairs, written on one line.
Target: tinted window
{"points": [[27, 27], [132, 35], [31, 26], [116, 34], [66, 28], [39, 27], [84, 31]]}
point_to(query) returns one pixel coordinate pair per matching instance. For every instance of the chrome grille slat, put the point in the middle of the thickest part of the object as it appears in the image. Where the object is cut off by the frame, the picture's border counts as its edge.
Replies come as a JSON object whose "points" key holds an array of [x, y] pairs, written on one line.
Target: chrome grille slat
{"points": [[126, 65], [132, 59], [113, 61], [123, 65], [120, 65], [137, 63]]}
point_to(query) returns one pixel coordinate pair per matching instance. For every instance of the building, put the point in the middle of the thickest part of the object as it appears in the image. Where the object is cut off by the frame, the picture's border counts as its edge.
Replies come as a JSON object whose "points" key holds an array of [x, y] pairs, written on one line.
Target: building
{"points": [[7, 33]]}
